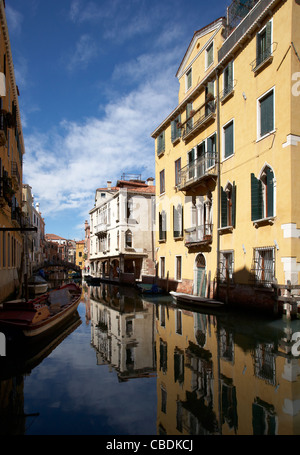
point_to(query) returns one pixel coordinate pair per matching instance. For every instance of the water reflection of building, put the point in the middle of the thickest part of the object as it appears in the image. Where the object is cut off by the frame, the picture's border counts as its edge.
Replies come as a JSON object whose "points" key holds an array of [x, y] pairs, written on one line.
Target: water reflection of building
{"points": [[122, 331], [219, 376]]}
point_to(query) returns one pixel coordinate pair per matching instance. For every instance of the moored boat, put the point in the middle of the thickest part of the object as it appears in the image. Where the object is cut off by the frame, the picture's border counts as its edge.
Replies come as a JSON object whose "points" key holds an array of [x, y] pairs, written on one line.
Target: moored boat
{"points": [[151, 289], [197, 300], [42, 314]]}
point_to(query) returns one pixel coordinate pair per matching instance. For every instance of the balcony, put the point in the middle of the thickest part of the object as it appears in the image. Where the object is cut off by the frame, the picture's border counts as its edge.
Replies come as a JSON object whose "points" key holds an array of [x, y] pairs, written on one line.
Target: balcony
{"points": [[263, 58], [101, 229], [15, 172], [198, 235], [201, 169], [199, 118]]}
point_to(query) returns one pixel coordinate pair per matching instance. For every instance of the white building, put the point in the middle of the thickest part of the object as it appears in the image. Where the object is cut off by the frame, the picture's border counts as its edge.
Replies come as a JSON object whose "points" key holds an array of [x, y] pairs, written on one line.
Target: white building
{"points": [[122, 231]]}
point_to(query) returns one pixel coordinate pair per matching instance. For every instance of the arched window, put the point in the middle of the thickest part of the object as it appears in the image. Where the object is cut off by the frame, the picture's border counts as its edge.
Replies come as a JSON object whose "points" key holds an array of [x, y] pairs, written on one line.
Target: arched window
{"points": [[228, 202]]}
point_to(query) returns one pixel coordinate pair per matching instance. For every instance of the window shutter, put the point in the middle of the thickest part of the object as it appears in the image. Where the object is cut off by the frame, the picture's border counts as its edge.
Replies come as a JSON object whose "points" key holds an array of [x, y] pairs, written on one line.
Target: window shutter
{"points": [[268, 39], [233, 208], [266, 114], [270, 192], [160, 226], [228, 140], [189, 123], [256, 198], [175, 222], [164, 225], [230, 76], [224, 221]]}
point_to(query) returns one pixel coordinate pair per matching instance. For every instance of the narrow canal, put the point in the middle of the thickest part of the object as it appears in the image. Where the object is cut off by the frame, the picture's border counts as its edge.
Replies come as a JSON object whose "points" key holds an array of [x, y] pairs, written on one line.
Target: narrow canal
{"points": [[128, 365]]}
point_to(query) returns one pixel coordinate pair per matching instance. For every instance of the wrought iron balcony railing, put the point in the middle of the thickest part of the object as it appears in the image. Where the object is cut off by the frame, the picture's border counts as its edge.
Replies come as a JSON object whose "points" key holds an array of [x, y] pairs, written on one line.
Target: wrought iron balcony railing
{"points": [[199, 118], [14, 172], [198, 235], [201, 168], [263, 57]]}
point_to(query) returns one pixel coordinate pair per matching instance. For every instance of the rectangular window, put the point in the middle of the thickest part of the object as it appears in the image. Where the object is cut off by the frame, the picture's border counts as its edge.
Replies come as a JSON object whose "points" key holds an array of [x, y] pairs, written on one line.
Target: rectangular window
{"points": [[177, 171], [228, 139], [162, 181], [264, 265], [178, 221], [266, 122], [178, 268], [209, 55], [263, 44], [188, 80], [162, 226]]}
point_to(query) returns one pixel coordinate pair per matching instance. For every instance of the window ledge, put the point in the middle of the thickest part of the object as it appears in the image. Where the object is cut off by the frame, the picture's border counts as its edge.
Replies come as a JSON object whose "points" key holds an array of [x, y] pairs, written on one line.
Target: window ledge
{"points": [[264, 221], [178, 238], [266, 135], [227, 96], [176, 141], [262, 65], [161, 241], [225, 229]]}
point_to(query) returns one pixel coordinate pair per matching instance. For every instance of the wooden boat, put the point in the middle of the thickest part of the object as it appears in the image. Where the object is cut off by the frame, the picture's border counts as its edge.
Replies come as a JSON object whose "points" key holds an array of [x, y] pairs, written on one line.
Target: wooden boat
{"points": [[37, 285], [42, 314], [151, 289], [197, 300]]}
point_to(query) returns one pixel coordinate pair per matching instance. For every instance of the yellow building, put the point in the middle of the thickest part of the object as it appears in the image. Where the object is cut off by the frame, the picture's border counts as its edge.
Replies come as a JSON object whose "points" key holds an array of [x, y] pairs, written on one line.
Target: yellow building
{"points": [[79, 255], [227, 157], [11, 155]]}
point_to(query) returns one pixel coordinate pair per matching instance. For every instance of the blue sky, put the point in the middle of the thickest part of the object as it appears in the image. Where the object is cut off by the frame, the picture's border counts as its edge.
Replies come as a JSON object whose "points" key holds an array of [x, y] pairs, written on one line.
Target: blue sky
{"points": [[95, 79]]}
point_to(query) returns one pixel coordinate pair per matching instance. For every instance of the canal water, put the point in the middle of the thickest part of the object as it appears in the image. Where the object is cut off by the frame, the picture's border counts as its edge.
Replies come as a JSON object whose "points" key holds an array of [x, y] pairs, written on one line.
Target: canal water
{"points": [[134, 365]]}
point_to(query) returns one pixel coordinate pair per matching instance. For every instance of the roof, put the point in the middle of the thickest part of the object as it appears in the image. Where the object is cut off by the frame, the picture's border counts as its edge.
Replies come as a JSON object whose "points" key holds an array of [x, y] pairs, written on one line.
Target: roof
{"points": [[202, 31], [54, 237]]}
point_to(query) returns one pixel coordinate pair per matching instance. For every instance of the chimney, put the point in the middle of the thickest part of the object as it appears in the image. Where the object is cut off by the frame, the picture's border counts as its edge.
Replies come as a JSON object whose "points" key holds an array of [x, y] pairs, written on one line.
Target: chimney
{"points": [[109, 184], [150, 181]]}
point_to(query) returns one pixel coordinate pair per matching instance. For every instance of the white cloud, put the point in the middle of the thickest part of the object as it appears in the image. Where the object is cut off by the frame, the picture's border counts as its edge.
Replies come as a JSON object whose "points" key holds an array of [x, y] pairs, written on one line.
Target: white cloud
{"points": [[86, 50], [66, 165], [14, 19]]}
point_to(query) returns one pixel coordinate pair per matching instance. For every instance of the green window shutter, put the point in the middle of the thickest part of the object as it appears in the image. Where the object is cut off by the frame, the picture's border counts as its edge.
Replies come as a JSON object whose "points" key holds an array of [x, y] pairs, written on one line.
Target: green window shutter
{"points": [[268, 39], [270, 192], [256, 199], [189, 121], [267, 114], [233, 208], [230, 76], [175, 131], [228, 131], [224, 221]]}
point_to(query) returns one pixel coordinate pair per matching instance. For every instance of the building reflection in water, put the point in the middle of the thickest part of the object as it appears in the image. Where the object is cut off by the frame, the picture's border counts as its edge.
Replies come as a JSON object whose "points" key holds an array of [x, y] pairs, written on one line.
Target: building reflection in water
{"points": [[220, 374], [216, 373], [122, 331]]}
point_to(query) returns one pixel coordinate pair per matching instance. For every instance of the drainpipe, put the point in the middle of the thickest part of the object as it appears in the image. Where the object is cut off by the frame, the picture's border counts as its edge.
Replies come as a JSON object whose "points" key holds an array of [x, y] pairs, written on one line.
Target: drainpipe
{"points": [[218, 183]]}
